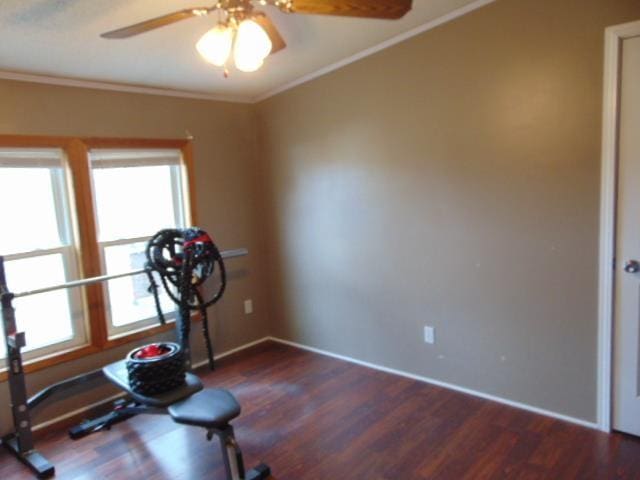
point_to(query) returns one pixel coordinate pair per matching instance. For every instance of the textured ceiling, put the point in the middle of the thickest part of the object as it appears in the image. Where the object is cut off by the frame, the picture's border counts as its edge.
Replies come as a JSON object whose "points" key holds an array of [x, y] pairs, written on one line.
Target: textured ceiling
{"points": [[60, 38]]}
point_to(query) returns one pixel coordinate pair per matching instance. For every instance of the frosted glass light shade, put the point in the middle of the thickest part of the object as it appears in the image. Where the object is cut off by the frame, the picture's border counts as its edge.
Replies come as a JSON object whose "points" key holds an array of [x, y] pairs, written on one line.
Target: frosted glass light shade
{"points": [[251, 47], [215, 45]]}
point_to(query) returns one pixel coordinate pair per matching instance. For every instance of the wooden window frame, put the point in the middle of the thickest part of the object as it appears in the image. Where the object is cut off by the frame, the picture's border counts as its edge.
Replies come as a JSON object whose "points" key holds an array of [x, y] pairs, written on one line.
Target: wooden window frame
{"points": [[83, 209]]}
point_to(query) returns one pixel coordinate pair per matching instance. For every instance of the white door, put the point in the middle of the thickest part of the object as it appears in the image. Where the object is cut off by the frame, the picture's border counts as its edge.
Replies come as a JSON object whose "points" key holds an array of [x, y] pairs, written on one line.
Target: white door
{"points": [[626, 411]]}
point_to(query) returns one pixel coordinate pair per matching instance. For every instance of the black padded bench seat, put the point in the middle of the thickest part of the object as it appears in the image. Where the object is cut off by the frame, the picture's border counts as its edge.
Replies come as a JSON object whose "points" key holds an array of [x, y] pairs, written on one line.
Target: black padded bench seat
{"points": [[117, 373], [209, 408]]}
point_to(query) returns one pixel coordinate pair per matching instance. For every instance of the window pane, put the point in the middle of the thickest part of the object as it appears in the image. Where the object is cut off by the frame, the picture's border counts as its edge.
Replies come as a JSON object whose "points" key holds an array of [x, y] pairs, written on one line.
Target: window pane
{"points": [[28, 194], [129, 297], [134, 202], [45, 318]]}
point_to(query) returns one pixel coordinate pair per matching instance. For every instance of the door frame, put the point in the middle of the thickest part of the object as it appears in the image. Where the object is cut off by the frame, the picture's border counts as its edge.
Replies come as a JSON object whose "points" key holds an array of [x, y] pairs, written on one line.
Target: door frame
{"points": [[609, 170]]}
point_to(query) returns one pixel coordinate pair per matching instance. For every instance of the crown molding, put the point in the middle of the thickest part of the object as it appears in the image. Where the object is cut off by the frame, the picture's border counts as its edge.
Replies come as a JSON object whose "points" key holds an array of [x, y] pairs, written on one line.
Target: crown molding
{"points": [[118, 87], [376, 48]]}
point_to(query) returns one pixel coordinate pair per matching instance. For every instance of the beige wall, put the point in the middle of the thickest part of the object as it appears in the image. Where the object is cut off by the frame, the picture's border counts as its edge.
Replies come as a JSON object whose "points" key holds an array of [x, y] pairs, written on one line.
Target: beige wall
{"points": [[224, 150], [451, 180]]}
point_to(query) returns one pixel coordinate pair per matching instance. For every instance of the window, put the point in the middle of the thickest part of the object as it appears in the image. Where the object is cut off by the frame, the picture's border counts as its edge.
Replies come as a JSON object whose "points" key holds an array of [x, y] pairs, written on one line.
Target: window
{"points": [[137, 193], [80, 208], [39, 247]]}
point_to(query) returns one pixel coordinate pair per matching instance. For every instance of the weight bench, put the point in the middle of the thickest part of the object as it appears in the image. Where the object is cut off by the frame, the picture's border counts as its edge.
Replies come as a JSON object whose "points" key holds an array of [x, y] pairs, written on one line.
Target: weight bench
{"points": [[190, 404]]}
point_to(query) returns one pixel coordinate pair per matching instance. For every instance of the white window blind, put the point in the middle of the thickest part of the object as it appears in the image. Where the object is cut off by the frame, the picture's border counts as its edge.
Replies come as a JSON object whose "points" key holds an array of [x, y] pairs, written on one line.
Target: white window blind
{"points": [[30, 158], [112, 158]]}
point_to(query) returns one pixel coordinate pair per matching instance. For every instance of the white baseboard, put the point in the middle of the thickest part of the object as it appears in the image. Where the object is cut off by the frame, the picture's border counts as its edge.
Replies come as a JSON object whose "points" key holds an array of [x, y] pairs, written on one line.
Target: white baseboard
{"points": [[432, 381], [91, 406]]}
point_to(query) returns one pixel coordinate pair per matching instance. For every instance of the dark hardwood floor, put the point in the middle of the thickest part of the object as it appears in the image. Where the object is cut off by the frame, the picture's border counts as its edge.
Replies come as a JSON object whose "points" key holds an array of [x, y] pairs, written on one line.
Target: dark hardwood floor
{"points": [[313, 417]]}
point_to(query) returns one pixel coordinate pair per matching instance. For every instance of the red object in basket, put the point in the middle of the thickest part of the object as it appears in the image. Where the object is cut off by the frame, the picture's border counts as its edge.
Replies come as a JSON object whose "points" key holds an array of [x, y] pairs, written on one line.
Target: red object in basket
{"points": [[151, 351]]}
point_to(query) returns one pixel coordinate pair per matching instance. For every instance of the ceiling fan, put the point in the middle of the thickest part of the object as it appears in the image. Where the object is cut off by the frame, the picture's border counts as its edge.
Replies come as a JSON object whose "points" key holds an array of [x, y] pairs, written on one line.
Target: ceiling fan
{"points": [[251, 33]]}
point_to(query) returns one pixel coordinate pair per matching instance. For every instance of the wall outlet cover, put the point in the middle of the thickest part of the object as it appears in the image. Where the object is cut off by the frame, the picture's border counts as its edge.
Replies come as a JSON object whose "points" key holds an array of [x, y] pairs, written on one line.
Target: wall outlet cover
{"points": [[248, 306], [429, 334]]}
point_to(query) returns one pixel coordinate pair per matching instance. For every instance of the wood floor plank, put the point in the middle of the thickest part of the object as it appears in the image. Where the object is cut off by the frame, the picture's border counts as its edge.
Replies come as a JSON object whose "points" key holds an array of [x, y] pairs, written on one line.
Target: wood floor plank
{"points": [[312, 417]]}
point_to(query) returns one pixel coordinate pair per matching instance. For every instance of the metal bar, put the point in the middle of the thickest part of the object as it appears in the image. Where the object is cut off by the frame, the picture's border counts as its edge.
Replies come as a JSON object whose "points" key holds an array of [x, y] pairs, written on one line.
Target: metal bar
{"points": [[238, 252], [44, 394]]}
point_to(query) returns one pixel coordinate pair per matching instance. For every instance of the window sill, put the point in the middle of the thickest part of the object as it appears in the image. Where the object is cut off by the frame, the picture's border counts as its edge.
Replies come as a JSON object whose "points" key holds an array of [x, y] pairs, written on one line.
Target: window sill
{"points": [[40, 363], [133, 335], [56, 358]]}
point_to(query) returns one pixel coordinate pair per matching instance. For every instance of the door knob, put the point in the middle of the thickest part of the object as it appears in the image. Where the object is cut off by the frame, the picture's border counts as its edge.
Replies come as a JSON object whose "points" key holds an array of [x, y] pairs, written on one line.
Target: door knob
{"points": [[632, 266]]}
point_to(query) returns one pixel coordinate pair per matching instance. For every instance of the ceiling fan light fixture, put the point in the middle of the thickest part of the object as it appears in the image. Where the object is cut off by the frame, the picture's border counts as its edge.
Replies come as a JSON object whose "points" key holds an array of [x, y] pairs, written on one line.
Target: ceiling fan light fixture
{"points": [[215, 45], [256, 36], [252, 45], [248, 65]]}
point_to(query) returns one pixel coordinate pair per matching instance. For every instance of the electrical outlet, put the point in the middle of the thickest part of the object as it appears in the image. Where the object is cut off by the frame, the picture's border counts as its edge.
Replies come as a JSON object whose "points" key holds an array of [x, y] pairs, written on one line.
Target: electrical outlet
{"points": [[429, 334], [248, 306]]}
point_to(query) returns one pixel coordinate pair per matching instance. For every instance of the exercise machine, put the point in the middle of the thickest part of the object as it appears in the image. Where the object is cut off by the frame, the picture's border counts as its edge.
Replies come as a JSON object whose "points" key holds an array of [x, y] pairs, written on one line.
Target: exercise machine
{"points": [[184, 259]]}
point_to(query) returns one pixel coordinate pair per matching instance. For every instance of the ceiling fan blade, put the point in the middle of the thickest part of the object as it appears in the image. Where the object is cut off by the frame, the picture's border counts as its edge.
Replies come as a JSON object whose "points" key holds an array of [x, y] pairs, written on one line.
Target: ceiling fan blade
{"points": [[386, 9], [157, 22], [265, 22]]}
